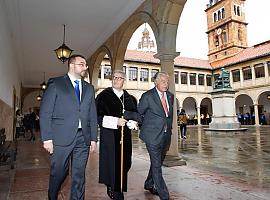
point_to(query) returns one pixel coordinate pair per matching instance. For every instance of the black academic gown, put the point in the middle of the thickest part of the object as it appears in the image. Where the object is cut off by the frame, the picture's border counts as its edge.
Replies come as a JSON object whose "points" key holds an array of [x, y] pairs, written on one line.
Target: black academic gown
{"points": [[110, 149]]}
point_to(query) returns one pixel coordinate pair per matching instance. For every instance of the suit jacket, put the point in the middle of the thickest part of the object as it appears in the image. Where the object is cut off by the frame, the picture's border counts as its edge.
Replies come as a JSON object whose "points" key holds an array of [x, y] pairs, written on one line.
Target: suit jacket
{"points": [[153, 116], [60, 112]]}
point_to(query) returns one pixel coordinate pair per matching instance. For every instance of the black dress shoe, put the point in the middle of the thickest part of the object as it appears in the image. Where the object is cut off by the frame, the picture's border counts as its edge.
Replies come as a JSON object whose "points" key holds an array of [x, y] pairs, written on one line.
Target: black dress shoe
{"points": [[110, 192], [119, 195], [114, 195], [153, 190]]}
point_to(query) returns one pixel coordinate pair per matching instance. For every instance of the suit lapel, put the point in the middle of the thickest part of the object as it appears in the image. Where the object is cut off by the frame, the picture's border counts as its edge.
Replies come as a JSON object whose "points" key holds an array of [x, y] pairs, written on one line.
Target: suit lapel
{"points": [[83, 90], [170, 101]]}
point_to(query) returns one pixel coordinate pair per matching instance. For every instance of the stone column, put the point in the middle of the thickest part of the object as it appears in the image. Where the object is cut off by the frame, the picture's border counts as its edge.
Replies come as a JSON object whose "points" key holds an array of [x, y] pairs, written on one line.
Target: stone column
{"points": [[266, 72], [149, 76], [205, 82], [199, 115], [138, 78], [241, 78], [180, 82], [188, 80], [197, 80], [256, 111], [167, 64], [253, 75], [127, 74], [231, 79]]}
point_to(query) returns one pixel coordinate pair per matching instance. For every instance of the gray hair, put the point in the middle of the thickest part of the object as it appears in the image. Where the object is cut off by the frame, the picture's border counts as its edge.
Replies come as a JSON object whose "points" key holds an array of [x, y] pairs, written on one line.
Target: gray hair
{"points": [[162, 73], [118, 71]]}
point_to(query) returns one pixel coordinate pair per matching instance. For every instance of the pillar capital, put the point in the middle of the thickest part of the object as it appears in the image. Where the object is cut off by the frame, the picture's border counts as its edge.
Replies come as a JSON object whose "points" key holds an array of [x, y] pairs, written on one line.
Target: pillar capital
{"points": [[166, 56]]}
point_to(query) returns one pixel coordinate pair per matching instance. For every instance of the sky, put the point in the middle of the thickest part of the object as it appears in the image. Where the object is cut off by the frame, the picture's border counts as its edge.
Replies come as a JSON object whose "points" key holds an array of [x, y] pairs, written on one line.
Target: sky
{"points": [[191, 38]]}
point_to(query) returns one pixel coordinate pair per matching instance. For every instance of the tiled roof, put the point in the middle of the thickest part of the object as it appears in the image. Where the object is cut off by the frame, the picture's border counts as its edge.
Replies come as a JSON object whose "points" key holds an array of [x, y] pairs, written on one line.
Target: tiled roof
{"points": [[253, 52], [192, 62], [249, 53], [142, 56]]}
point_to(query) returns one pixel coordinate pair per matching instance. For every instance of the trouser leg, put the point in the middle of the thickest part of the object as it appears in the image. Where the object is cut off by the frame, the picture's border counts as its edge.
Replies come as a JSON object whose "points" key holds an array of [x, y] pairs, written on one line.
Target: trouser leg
{"points": [[156, 157], [59, 169], [184, 129], [181, 130], [149, 183], [79, 160]]}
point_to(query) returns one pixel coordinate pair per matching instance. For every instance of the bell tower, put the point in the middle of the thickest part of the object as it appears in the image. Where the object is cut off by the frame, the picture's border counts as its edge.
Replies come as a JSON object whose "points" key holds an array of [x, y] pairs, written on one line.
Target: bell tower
{"points": [[146, 44], [226, 28]]}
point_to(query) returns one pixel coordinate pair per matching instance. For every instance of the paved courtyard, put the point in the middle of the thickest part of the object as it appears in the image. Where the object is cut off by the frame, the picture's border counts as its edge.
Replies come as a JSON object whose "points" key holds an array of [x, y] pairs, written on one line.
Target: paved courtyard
{"points": [[219, 167]]}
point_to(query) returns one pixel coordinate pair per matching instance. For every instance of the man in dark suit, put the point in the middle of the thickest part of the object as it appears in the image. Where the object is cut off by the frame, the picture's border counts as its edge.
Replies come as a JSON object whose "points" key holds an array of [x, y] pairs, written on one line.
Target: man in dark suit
{"points": [[156, 110], [68, 124]]}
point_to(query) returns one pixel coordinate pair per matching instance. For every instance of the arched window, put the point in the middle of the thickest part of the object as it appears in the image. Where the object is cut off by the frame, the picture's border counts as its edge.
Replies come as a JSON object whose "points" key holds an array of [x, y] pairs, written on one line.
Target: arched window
{"points": [[223, 13], [215, 17], [219, 15], [238, 10]]}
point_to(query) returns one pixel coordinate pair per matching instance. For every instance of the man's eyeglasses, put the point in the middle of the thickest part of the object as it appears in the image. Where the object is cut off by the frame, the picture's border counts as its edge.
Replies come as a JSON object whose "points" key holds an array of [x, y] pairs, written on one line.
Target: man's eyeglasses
{"points": [[118, 78], [81, 65]]}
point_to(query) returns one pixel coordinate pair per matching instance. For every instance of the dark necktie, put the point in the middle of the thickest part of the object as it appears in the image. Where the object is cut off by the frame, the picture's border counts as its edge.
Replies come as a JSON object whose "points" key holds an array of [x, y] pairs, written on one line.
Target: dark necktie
{"points": [[77, 89]]}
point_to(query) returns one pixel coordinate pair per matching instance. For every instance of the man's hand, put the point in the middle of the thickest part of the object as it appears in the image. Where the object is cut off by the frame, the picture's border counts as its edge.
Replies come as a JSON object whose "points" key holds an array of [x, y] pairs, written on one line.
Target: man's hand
{"points": [[121, 122], [48, 146], [93, 146]]}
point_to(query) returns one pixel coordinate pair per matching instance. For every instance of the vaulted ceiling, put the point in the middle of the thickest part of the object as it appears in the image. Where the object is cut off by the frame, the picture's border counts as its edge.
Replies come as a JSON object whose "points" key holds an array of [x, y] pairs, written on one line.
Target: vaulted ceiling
{"points": [[36, 28]]}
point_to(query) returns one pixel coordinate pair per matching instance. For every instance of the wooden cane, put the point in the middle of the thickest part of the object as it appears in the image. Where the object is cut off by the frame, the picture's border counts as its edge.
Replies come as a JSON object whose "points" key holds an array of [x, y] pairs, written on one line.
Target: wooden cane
{"points": [[122, 155]]}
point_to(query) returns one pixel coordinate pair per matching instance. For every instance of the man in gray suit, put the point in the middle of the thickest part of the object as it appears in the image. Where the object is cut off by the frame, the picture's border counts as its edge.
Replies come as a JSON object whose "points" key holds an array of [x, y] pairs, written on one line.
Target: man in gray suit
{"points": [[156, 110], [68, 125]]}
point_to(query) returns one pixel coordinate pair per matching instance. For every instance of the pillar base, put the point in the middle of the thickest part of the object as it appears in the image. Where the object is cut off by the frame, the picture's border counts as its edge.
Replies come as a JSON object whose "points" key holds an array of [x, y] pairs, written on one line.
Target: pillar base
{"points": [[226, 131], [224, 125]]}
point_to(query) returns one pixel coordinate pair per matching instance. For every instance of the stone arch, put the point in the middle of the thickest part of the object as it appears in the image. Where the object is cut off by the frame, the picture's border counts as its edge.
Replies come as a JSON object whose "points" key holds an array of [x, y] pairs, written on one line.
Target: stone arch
{"points": [[168, 14], [95, 62], [190, 106], [243, 100], [30, 101], [206, 110], [263, 100], [129, 28], [261, 94]]}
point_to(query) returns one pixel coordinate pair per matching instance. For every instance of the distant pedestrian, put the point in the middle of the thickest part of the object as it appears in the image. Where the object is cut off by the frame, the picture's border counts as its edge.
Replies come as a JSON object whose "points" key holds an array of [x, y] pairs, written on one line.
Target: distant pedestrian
{"points": [[32, 120], [183, 123]]}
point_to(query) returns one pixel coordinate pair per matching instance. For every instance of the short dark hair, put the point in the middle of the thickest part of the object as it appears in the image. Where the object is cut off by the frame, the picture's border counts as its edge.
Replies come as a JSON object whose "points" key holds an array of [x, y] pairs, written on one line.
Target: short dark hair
{"points": [[73, 58]]}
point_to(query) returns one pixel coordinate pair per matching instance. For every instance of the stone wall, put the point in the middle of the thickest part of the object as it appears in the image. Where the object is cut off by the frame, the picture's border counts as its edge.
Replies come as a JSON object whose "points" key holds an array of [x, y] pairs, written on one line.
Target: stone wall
{"points": [[6, 119]]}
